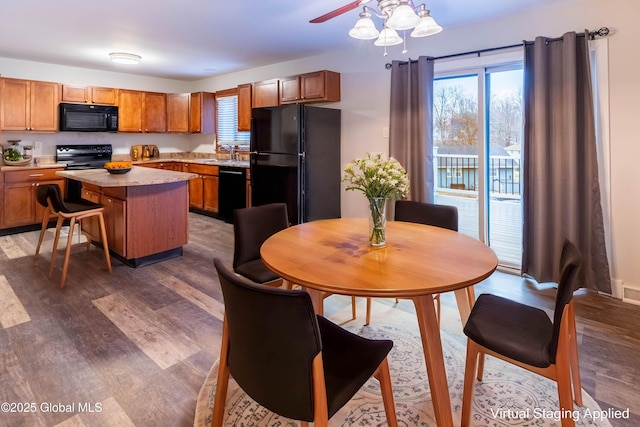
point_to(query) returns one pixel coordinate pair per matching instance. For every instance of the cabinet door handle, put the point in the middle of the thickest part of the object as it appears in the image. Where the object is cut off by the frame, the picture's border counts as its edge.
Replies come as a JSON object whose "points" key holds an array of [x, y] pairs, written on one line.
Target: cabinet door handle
{"points": [[36, 174]]}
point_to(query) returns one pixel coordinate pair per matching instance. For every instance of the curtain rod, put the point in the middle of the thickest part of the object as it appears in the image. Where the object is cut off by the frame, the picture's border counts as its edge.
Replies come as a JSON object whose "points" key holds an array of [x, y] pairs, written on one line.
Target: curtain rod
{"points": [[602, 32]]}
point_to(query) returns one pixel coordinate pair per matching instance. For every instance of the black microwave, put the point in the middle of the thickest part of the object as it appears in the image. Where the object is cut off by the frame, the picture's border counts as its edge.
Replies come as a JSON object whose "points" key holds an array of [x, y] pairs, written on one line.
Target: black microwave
{"points": [[88, 118]]}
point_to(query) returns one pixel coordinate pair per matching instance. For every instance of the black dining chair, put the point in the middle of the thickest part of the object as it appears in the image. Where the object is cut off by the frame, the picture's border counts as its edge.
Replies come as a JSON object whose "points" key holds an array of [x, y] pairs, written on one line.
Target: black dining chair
{"points": [[291, 361], [50, 196], [251, 227], [527, 337], [424, 213]]}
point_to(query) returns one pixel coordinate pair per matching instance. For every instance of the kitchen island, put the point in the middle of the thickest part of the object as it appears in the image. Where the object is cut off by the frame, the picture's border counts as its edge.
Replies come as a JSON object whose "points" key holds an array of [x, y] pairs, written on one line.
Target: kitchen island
{"points": [[145, 210]]}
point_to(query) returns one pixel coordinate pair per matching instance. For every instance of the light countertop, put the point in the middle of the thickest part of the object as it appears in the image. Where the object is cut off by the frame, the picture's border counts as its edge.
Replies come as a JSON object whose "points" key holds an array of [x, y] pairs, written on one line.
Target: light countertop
{"points": [[137, 176]]}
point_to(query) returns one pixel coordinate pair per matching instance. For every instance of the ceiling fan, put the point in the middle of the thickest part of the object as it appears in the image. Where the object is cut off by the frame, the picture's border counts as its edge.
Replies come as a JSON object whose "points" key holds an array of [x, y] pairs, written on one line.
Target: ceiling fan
{"points": [[339, 11], [398, 15]]}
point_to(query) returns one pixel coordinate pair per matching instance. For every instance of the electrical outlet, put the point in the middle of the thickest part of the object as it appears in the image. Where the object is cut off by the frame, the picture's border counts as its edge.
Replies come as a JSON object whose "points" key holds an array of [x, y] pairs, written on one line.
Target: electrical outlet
{"points": [[38, 146], [385, 132], [127, 145]]}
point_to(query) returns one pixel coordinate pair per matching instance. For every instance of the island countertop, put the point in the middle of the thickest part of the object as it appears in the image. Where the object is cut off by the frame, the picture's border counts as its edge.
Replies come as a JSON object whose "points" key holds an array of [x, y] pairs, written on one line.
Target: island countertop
{"points": [[136, 177]]}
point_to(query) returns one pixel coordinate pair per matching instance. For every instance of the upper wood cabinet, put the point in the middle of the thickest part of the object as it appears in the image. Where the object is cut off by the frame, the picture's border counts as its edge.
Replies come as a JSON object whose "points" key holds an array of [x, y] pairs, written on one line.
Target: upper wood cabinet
{"points": [[319, 86], [178, 112], [89, 94], [27, 105], [244, 107], [266, 93], [203, 112], [142, 112], [155, 112]]}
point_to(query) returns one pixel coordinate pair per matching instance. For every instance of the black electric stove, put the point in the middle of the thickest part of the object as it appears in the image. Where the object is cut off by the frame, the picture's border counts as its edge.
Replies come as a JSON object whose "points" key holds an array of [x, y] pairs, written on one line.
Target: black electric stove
{"points": [[86, 156]]}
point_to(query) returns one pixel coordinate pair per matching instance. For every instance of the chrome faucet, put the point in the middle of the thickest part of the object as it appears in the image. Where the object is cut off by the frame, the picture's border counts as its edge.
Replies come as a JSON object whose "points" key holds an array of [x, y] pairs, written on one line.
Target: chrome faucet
{"points": [[232, 152]]}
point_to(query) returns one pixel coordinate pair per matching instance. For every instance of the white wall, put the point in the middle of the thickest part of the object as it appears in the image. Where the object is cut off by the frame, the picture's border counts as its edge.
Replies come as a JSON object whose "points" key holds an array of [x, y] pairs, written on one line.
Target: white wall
{"points": [[365, 96]]}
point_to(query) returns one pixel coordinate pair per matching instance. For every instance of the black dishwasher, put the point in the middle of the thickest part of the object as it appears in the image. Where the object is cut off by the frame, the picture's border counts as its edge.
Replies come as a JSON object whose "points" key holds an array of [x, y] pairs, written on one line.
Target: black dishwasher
{"points": [[232, 191]]}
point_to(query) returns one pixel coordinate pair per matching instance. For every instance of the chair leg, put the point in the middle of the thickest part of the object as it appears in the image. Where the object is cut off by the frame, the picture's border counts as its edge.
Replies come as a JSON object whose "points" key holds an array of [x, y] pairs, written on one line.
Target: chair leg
{"points": [[55, 244], [382, 374], [223, 379], [320, 409], [367, 319], [67, 252], [481, 357], [573, 352], [469, 372], [103, 237], [43, 230], [563, 369], [353, 308]]}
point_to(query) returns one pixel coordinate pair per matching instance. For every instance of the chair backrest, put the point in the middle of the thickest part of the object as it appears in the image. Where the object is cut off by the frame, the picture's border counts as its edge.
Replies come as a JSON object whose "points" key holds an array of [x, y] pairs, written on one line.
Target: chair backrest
{"points": [[427, 213], [570, 263], [252, 226], [42, 193], [273, 339], [51, 192]]}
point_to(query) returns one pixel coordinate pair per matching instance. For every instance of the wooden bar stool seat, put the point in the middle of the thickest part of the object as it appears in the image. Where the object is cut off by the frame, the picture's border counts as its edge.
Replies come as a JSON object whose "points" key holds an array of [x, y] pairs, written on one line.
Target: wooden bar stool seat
{"points": [[50, 197]]}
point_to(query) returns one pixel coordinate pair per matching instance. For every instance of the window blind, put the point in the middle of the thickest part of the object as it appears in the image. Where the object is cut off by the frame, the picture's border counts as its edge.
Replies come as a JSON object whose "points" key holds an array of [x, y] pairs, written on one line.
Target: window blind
{"points": [[227, 118]]}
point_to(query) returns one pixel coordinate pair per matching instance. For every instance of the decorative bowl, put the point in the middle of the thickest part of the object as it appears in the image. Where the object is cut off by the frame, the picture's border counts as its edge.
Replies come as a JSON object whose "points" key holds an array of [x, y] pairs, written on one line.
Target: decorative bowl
{"points": [[118, 171], [24, 161]]}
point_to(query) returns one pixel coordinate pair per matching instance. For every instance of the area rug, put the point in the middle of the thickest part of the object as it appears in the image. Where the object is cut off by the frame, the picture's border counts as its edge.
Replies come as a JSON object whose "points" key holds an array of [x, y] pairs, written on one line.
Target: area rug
{"points": [[507, 396]]}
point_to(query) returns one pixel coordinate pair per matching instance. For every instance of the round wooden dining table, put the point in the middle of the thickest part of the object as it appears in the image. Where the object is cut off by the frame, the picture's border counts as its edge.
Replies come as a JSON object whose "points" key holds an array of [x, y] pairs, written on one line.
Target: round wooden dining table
{"points": [[334, 256]]}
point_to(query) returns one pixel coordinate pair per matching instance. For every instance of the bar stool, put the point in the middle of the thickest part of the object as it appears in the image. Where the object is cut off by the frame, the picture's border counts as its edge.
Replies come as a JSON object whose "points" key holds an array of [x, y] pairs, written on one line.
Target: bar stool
{"points": [[50, 197]]}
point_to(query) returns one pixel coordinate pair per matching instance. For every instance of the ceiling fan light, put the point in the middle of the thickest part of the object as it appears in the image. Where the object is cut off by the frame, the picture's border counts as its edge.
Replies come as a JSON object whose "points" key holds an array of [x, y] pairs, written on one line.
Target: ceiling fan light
{"points": [[388, 37], [364, 29], [125, 58], [403, 17], [427, 26]]}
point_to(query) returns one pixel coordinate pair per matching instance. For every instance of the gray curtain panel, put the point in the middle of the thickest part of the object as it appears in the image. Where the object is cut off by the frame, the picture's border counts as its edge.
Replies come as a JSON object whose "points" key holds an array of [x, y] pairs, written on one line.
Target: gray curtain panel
{"points": [[561, 194], [410, 127]]}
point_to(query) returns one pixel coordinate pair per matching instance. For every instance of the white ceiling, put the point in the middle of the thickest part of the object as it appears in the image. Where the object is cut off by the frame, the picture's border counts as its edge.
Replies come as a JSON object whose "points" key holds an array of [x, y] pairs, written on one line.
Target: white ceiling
{"points": [[194, 39]]}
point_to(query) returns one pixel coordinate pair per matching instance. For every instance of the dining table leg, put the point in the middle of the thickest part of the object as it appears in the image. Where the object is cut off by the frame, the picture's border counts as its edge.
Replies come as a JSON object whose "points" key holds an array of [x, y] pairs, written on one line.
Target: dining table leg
{"points": [[317, 299], [434, 359]]}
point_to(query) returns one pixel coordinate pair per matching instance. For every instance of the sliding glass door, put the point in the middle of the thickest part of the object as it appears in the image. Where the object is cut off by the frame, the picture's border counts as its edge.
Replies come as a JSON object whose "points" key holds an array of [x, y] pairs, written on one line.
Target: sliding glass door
{"points": [[477, 138]]}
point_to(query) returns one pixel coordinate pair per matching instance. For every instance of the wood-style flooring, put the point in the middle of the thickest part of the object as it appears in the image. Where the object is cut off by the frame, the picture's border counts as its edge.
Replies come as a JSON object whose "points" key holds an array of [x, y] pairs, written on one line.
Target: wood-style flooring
{"points": [[133, 347]]}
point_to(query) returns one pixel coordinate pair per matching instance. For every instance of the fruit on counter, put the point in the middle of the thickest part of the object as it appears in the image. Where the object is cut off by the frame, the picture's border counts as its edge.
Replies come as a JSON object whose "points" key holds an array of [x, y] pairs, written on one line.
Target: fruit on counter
{"points": [[12, 155], [117, 165]]}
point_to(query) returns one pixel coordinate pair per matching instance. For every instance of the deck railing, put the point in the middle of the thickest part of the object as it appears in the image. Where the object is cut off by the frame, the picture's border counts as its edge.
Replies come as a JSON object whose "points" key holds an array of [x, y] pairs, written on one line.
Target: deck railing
{"points": [[460, 172]]}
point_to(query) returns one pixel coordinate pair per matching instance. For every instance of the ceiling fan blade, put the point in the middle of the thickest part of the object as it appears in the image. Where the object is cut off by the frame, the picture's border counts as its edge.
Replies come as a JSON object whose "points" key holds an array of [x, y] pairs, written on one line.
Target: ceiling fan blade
{"points": [[339, 11]]}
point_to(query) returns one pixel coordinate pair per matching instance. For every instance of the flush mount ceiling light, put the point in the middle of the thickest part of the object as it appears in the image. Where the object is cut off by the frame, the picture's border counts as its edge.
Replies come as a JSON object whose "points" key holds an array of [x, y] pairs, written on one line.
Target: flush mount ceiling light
{"points": [[125, 58], [397, 15]]}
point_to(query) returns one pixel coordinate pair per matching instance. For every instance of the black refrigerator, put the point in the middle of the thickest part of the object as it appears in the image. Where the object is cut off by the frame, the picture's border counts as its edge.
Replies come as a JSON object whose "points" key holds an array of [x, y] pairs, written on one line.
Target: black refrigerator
{"points": [[295, 159]]}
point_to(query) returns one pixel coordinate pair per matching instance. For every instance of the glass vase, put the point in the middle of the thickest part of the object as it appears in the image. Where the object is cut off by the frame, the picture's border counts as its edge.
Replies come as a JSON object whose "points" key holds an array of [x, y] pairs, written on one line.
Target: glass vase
{"points": [[377, 221]]}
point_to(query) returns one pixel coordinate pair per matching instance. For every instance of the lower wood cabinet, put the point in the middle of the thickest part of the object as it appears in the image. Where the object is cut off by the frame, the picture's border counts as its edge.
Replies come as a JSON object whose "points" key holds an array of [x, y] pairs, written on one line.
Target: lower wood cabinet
{"points": [[203, 190], [115, 218], [20, 206]]}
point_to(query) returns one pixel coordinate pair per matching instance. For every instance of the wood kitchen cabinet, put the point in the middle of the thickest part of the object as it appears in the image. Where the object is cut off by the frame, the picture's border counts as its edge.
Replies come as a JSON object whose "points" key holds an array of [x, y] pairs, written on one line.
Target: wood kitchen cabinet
{"points": [[89, 94], [244, 107], [178, 112], [170, 166], [154, 107], [202, 108], [142, 112], [203, 190], [20, 206], [266, 93], [113, 201], [319, 86], [115, 219], [27, 105]]}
